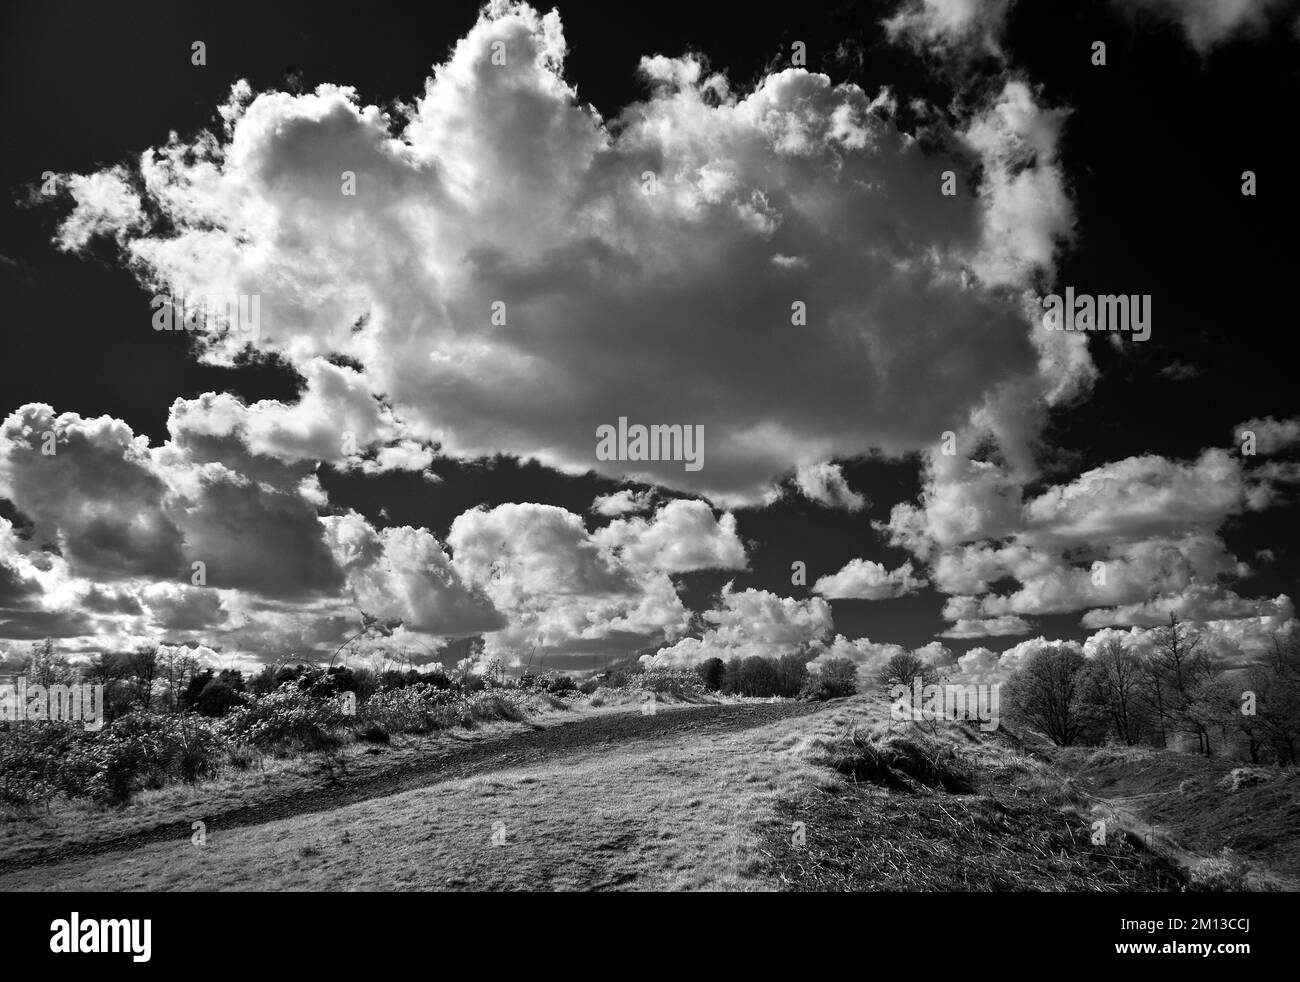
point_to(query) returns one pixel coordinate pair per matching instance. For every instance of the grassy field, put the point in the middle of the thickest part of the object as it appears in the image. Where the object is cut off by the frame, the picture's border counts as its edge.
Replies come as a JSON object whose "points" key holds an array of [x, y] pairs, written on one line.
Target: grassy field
{"points": [[691, 798]]}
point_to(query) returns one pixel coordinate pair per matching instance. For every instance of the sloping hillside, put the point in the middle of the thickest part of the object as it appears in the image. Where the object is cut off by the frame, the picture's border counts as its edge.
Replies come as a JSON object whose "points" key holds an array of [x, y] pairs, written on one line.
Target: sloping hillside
{"points": [[746, 796], [944, 807], [1205, 805]]}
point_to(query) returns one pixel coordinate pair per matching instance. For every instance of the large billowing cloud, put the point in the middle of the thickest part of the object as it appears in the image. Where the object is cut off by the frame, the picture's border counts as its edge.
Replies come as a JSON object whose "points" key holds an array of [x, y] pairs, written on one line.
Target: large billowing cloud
{"points": [[682, 537], [113, 530], [752, 622], [218, 536], [334, 419], [513, 271], [1233, 642], [116, 509], [91, 491], [779, 266], [1052, 582], [1197, 603], [984, 666], [121, 540], [1128, 542], [1139, 496], [556, 583], [404, 574], [870, 656]]}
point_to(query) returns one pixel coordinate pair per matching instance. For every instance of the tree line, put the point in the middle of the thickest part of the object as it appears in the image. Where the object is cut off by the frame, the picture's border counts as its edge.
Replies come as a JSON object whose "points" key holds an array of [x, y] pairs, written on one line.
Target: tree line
{"points": [[1174, 691]]}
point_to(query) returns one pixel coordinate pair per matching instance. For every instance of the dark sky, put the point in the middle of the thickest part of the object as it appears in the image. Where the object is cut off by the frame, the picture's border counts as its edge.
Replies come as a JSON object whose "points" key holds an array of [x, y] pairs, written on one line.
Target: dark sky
{"points": [[1154, 148]]}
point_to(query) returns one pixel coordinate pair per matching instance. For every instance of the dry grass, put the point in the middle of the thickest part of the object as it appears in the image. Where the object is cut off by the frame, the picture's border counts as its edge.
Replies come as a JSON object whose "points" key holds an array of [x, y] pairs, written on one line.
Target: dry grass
{"points": [[1225, 822], [622, 698], [899, 807], [897, 761], [682, 803], [673, 813], [68, 823]]}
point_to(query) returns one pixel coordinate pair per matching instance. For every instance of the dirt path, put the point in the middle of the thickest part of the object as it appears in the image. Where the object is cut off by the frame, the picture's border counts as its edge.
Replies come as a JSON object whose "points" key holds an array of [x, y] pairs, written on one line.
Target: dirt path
{"points": [[542, 745], [1119, 816]]}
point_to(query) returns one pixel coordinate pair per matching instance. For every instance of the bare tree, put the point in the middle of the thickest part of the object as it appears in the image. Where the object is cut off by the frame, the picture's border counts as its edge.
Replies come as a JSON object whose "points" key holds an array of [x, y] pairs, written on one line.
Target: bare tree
{"points": [[1049, 692], [1117, 680], [905, 666], [110, 669], [1179, 681], [176, 668], [106, 668], [45, 666], [143, 667], [1275, 682]]}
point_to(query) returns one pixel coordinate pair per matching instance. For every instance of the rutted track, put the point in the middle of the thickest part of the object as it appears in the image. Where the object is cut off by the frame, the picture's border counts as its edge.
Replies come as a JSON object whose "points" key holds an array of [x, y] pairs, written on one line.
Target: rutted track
{"points": [[494, 754]]}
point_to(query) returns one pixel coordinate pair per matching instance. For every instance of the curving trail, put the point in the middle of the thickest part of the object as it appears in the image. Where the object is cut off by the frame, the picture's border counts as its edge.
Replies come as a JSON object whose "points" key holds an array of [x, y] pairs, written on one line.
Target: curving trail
{"points": [[612, 731]]}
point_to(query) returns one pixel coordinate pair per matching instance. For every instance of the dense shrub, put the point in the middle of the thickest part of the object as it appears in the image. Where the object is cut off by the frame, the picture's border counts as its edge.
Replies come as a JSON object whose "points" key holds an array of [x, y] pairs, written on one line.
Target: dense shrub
{"points": [[423, 708], [331, 682], [271, 678], [554, 682], [1225, 873], [145, 750], [138, 750], [562, 685], [529, 682], [307, 712], [31, 756], [418, 708], [213, 695], [835, 677], [289, 719], [395, 678]]}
